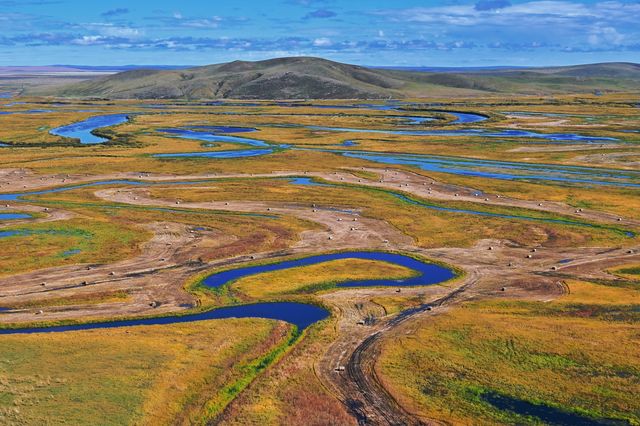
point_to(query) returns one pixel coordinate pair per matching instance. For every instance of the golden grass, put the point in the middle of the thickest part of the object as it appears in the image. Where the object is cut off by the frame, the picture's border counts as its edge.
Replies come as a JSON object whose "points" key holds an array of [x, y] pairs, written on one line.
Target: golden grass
{"points": [[430, 228], [99, 241], [139, 375], [107, 232], [577, 354], [290, 393], [630, 271], [76, 299], [623, 201], [310, 279], [394, 304], [588, 293]]}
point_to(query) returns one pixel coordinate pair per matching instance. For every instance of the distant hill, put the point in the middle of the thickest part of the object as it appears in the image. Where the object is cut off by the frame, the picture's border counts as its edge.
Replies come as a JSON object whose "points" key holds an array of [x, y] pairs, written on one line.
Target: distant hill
{"points": [[316, 78], [604, 70]]}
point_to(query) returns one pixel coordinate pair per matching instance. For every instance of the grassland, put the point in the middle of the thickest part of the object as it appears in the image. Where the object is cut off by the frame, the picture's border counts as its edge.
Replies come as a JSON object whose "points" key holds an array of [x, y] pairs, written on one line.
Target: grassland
{"points": [[291, 393], [255, 233], [76, 240], [476, 362], [318, 78], [311, 279], [575, 355], [430, 228], [631, 272], [139, 375]]}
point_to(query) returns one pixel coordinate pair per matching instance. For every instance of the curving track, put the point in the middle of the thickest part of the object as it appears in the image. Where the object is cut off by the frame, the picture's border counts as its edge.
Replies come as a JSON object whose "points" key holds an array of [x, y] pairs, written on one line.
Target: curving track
{"points": [[356, 347]]}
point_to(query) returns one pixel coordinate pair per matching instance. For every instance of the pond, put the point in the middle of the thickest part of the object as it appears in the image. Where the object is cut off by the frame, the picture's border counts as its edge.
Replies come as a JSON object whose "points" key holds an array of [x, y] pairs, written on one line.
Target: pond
{"points": [[82, 130], [14, 216]]}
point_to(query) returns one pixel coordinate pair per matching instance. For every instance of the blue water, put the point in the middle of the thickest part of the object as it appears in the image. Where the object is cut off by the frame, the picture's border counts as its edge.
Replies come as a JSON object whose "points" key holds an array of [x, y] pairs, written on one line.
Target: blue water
{"points": [[16, 196], [70, 253], [505, 216], [31, 111], [219, 154], [427, 273], [240, 104], [295, 180], [506, 170], [465, 117], [223, 129], [567, 137], [545, 414], [28, 232], [213, 134], [14, 216], [19, 195], [461, 117], [310, 181], [414, 119], [82, 129], [306, 181], [375, 107], [299, 314], [349, 143]]}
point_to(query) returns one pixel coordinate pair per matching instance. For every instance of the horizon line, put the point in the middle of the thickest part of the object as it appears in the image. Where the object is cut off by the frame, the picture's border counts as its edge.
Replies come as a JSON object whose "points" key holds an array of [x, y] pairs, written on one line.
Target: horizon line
{"points": [[443, 67]]}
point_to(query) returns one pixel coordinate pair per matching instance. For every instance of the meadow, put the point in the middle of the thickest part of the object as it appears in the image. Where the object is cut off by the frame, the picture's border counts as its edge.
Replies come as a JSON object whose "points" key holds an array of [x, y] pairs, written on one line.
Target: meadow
{"points": [[539, 326], [572, 360], [139, 375]]}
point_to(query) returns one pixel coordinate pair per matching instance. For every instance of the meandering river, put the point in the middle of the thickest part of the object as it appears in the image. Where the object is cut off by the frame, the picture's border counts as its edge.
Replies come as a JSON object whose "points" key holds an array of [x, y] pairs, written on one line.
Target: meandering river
{"points": [[300, 314]]}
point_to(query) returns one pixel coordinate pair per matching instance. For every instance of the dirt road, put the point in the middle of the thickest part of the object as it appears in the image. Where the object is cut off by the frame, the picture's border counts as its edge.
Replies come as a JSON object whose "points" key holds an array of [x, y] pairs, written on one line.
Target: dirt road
{"points": [[154, 278]]}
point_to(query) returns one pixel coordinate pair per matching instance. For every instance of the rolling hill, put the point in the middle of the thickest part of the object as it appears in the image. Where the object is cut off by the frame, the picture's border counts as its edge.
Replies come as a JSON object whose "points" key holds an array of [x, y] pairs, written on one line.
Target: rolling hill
{"points": [[316, 78]]}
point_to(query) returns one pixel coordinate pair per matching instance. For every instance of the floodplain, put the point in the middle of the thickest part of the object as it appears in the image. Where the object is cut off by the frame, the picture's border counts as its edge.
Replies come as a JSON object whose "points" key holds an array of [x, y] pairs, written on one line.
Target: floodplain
{"points": [[528, 208]]}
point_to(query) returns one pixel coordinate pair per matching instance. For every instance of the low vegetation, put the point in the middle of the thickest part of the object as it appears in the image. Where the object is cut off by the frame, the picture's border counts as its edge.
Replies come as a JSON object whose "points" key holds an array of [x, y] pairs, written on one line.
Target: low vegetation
{"points": [[488, 361], [137, 375], [508, 361], [67, 242], [315, 278]]}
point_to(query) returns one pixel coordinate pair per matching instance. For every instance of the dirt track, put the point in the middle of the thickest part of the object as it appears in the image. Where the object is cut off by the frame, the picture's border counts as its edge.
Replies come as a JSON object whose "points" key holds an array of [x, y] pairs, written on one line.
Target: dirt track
{"points": [[168, 259]]}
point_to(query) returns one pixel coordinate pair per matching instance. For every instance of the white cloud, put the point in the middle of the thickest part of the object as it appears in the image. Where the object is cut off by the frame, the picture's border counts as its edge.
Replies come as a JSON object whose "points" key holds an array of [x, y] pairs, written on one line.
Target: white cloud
{"points": [[111, 30], [322, 42], [89, 40], [537, 12], [605, 36], [202, 23]]}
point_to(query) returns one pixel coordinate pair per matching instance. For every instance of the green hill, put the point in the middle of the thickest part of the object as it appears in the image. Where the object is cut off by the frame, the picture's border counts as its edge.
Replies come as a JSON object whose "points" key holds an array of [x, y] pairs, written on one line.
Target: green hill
{"points": [[315, 78]]}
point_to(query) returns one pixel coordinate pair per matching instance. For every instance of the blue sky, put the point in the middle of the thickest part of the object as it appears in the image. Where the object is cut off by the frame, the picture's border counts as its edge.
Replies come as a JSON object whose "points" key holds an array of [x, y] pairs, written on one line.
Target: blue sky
{"points": [[369, 32]]}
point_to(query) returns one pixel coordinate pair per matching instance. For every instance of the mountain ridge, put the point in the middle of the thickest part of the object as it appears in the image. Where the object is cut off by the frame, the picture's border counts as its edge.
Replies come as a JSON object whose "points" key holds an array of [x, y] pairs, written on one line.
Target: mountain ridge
{"points": [[317, 78]]}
